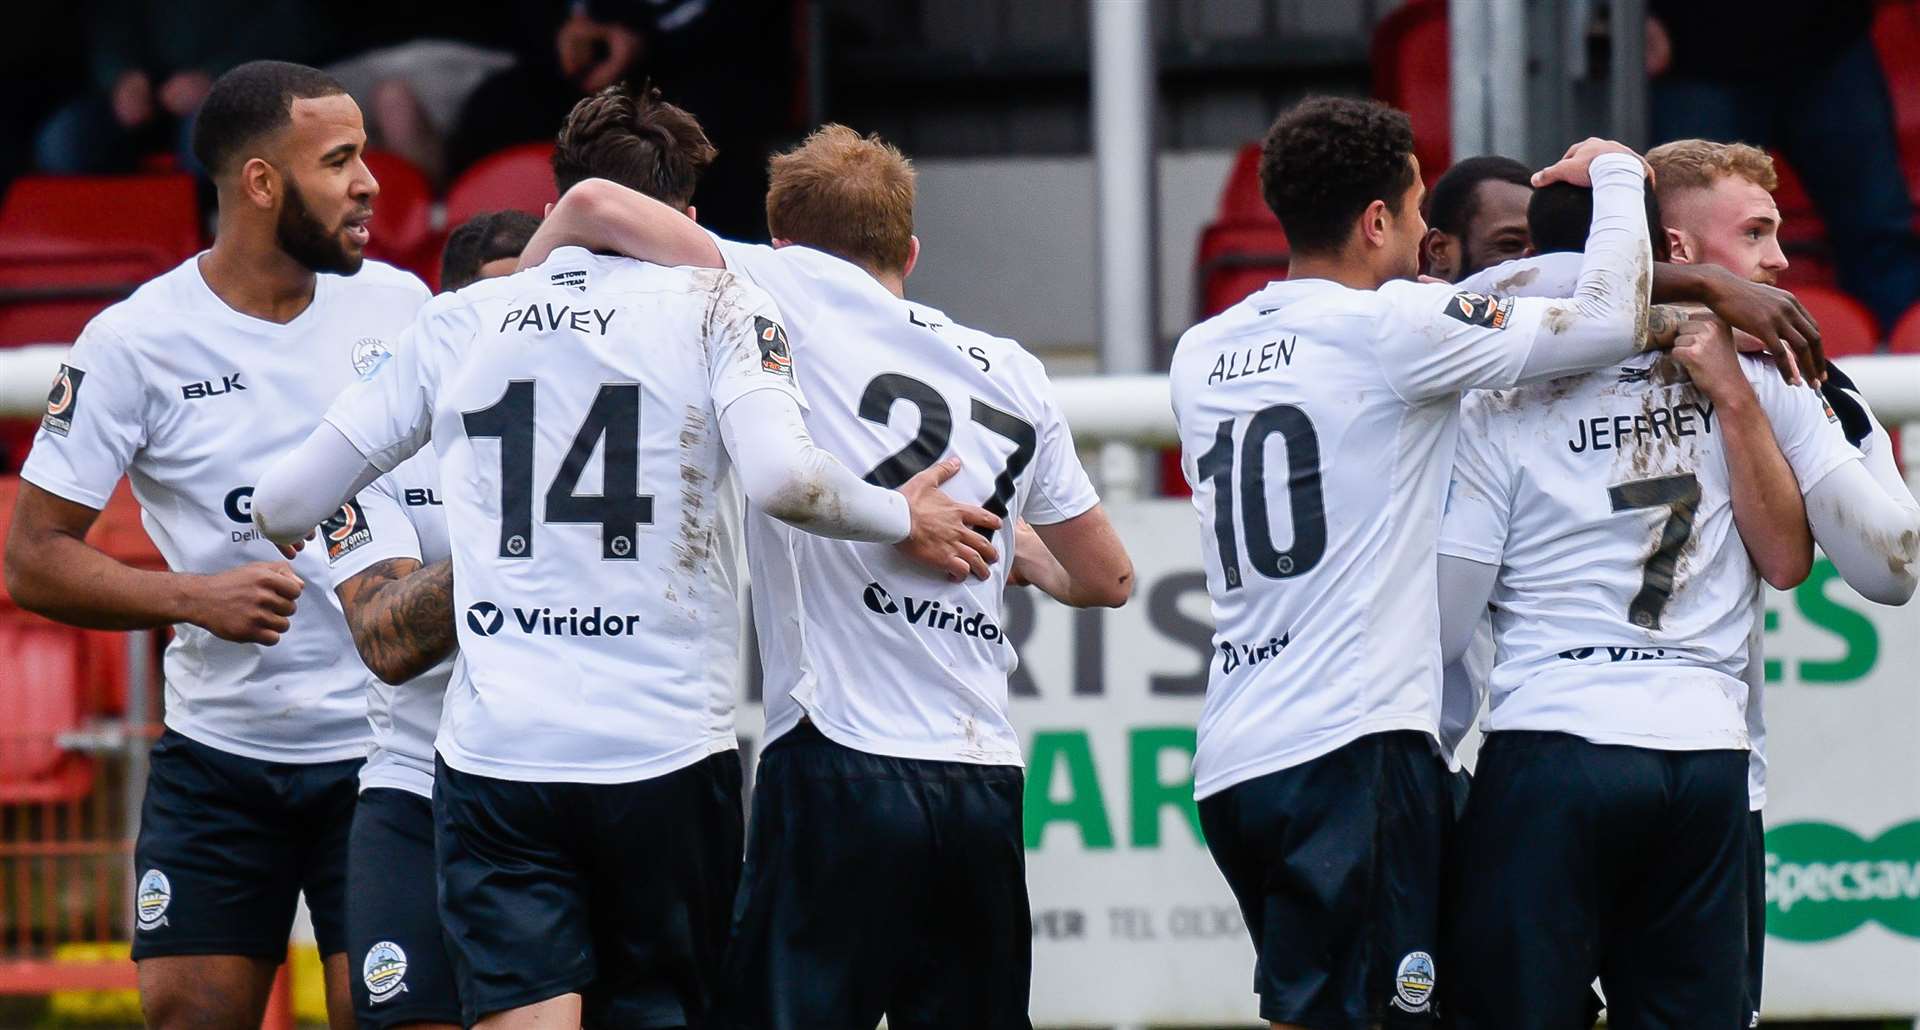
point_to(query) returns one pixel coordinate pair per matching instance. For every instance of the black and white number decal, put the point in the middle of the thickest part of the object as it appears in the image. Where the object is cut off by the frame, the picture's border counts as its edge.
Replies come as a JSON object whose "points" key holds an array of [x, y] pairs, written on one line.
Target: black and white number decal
{"points": [[620, 509], [936, 432], [1680, 495], [1303, 494]]}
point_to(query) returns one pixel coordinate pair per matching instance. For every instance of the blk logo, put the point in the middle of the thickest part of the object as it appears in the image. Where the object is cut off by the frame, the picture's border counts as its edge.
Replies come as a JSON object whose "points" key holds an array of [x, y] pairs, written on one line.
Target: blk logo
{"points": [[485, 618], [879, 602], [208, 388]]}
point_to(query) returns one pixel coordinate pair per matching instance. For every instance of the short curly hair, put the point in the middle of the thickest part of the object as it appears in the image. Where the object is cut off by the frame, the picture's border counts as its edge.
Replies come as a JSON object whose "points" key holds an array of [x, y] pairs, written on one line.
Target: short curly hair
{"points": [[636, 139], [1327, 158]]}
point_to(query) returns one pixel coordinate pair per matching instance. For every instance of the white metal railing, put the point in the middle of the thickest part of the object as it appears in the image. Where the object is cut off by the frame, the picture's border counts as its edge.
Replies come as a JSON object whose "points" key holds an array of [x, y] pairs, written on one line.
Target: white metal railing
{"points": [[1128, 409]]}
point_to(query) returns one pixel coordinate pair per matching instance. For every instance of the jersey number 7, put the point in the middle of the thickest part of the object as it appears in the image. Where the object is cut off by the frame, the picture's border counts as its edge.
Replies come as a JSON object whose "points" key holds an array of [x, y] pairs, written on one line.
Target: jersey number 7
{"points": [[1680, 495], [936, 432], [1303, 494], [620, 509]]}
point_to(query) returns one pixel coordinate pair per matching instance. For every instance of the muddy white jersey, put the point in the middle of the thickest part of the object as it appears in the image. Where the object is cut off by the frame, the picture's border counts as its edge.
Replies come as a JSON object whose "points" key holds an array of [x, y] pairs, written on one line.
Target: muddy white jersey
{"points": [[1624, 600], [881, 655], [1316, 426], [403, 511], [575, 412], [193, 400], [1809, 437]]}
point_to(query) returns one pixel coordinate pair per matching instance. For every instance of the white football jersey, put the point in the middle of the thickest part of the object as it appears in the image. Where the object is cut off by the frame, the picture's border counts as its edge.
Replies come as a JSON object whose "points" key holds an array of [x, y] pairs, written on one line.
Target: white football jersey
{"points": [[575, 411], [881, 655], [1624, 601], [1316, 426], [192, 400], [1814, 447], [403, 512]]}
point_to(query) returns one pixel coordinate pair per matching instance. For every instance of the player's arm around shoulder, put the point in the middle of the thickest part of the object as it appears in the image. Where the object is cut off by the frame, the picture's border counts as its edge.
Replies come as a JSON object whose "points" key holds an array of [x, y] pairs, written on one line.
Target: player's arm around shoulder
{"points": [[604, 216], [1767, 504]]}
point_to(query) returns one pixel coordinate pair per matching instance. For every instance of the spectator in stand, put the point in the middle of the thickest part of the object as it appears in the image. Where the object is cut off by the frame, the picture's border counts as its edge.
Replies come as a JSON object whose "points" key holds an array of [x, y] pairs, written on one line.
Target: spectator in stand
{"points": [[43, 63], [1476, 216], [1802, 78], [720, 59], [152, 63], [486, 245]]}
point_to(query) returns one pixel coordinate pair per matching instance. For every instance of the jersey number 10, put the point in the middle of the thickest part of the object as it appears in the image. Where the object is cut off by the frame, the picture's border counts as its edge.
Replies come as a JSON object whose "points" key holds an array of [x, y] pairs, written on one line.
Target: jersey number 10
{"points": [[620, 509], [1303, 494]]}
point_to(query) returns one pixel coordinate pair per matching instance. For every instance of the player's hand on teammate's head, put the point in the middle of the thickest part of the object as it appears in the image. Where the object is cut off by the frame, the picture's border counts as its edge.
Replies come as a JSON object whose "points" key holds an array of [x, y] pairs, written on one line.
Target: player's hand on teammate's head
{"points": [[1770, 319], [1572, 167], [947, 536], [251, 604]]}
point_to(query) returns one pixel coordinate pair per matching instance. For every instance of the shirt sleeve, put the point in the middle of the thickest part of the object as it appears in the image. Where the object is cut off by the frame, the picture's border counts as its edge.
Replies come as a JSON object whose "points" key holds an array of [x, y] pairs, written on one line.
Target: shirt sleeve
{"points": [[1542, 275], [1441, 339], [1480, 495], [747, 345], [1059, 488], [388, 532], [388, 415], [1804, 425], [96, 421]]}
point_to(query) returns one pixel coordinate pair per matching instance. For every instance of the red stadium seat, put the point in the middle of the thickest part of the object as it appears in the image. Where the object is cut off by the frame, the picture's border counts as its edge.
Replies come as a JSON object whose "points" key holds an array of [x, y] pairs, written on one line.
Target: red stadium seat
{"points": [[519, 178], [41, 702], [402, 224], [69, 246], [1905, 337], [1241, 202], [1846, 326], [1409, 60], [1236, 260]]}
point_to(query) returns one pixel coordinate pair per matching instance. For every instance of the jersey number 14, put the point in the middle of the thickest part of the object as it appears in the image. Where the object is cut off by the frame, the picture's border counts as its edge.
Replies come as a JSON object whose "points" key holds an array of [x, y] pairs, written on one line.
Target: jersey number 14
{"points": [[619, 509]]}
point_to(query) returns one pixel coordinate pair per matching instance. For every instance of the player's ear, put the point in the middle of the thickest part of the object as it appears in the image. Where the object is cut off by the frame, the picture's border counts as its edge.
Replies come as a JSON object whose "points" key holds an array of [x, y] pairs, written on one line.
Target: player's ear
{"points": [[260, 183], [913, 256], [1373, 223], [778, 243], [1436, 250], [548, 213], [693, 213], [1679, 250]]}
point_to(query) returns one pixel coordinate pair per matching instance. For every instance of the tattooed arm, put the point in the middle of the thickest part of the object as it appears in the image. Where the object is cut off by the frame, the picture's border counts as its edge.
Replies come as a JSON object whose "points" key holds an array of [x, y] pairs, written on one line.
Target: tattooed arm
{"points": [[1663, 325], [401, 615]]}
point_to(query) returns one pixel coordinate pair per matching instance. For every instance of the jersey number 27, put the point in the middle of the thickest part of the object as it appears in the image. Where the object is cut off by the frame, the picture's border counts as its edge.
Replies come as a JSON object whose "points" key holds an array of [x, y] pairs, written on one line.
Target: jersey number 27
{"points": [[936, 432]]}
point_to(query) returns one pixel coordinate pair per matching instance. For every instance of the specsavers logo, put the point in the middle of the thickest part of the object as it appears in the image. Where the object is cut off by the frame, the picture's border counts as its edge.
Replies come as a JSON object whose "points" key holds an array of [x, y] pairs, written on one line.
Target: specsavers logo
{"points": [[1825, 881]]}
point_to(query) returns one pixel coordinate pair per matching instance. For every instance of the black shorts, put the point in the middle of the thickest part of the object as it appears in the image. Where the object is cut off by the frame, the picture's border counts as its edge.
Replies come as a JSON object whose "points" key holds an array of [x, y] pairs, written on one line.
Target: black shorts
{"points": [[397, 959], [1756, 913], [227, 845], [1336, 865], [1582, 860], [878, 885], [619, 892]]}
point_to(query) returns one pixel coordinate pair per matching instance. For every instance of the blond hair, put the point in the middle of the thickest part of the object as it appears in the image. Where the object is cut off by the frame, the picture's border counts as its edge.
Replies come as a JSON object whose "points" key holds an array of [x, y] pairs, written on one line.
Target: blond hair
{"points": [[1696, 164], [846, 194]]}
